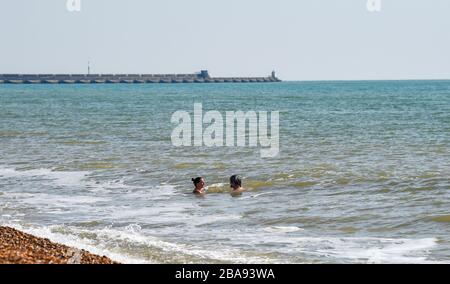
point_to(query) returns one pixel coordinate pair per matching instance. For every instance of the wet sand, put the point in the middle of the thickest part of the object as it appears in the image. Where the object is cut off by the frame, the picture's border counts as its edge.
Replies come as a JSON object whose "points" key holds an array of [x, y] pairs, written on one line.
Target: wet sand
{"points": [[20, 248]]}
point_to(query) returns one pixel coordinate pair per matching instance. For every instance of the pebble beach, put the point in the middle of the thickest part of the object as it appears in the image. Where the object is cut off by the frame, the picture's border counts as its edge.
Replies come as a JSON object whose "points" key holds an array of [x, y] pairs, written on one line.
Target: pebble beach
{"points": [[20, 248]]}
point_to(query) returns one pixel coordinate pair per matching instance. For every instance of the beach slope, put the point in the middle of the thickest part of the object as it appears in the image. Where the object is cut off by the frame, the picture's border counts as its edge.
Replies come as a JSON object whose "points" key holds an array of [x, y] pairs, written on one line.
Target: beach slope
{"points": [[20, 248]]}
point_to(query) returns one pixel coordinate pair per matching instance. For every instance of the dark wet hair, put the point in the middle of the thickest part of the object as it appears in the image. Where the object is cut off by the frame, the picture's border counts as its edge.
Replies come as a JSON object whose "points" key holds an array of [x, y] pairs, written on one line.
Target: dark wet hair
{"points": [[197, 180], [236, 180]]}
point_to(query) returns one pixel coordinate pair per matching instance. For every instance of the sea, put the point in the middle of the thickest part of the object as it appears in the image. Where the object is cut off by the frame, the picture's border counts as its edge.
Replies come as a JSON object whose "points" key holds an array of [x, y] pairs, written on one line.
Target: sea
{"points": [[362, 174]]}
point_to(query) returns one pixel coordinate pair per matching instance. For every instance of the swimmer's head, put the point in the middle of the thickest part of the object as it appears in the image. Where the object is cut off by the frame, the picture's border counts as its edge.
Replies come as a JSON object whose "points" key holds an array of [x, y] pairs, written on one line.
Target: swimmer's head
{"points": [[199, 182], [235, 182]]}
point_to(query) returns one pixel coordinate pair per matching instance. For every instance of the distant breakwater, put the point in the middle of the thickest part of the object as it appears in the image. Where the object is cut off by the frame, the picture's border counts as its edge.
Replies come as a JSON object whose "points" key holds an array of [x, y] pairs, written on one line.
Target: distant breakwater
{"points": [[201, 77]]}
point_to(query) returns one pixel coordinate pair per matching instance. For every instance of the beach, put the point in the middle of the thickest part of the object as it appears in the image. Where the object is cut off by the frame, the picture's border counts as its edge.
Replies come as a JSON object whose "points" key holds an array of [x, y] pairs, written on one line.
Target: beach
{"points": [[17, 247]]}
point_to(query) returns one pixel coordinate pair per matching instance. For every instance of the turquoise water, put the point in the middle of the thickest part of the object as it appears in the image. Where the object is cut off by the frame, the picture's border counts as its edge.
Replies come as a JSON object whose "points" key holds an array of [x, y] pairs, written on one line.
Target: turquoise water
{"points": [[363, 174]]}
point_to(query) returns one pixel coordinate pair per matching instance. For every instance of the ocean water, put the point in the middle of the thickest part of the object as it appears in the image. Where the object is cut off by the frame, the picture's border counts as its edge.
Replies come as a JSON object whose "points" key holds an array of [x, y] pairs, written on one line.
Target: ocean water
{"points": [[363, 174]]}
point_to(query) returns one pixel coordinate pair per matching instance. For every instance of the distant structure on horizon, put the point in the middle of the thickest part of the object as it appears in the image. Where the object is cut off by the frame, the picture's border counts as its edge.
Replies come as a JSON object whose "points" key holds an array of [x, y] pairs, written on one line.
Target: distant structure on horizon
{"points": [[201, 77]]}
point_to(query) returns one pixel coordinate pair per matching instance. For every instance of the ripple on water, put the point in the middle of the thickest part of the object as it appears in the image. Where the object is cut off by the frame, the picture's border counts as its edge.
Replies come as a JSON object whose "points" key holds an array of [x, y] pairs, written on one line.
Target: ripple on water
{"points": [[258, 184], [282, 229], [349, 230], [441, 219], [10, 134], [97, 166], [303, 184], [182, 166], [250, 185], [77, 142], [220, 166], [306, 220]]}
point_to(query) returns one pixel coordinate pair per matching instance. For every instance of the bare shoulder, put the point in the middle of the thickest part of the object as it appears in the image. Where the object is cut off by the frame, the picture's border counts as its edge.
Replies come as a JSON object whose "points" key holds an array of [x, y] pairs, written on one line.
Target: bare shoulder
{"points": [[238, 192], [199, 193]]}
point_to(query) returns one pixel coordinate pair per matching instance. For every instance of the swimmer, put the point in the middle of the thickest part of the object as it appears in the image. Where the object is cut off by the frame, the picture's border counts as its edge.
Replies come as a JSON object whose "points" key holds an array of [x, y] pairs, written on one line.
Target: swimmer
{"points": [[199, 184], [236, 185]]}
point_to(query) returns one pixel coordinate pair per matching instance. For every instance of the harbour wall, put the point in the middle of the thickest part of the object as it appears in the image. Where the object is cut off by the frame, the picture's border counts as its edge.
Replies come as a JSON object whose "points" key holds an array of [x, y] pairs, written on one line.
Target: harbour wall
{"points": [[201, 77]]}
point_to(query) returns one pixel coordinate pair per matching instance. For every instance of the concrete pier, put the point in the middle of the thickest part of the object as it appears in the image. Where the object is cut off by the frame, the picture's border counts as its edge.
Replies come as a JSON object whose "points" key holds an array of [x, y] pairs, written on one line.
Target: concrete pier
{"points": [[201, 77]]}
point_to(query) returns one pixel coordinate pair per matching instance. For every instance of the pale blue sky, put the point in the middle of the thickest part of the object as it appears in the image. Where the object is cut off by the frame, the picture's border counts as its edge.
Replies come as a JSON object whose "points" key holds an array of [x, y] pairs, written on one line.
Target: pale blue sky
{"points": [[301, 39]]}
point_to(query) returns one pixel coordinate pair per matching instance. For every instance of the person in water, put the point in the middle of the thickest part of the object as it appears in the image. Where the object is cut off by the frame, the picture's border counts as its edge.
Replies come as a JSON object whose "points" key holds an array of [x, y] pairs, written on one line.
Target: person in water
{"points": [[236, 185], [199, 184]]}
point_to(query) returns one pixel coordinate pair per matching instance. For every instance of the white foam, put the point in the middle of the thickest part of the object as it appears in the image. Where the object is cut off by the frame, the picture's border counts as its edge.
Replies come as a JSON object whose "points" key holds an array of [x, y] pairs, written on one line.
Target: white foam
{"points": [[217, 188], [76, 242], [46, 199], [107, 185], [279, 229], [105, 243], [57, 177], [80, 179], [210, 219], [162, 191], [134, 235], [256, 195], [369, 250], [6, 172], [107, 237], [216, 185]]}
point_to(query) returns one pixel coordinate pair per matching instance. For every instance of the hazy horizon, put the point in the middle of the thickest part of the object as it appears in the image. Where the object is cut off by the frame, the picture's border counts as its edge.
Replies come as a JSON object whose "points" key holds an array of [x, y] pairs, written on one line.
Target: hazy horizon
{"points": [[302, 40]]}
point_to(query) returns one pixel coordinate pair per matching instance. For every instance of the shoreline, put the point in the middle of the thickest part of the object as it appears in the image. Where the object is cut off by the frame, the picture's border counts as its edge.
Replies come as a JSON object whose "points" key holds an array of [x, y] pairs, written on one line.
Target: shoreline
{"points": [[17, 247]]}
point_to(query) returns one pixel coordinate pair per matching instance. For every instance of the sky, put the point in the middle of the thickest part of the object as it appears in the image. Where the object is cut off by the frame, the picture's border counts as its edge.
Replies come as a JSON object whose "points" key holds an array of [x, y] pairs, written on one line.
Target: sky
{"points": [[300, 39]]}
